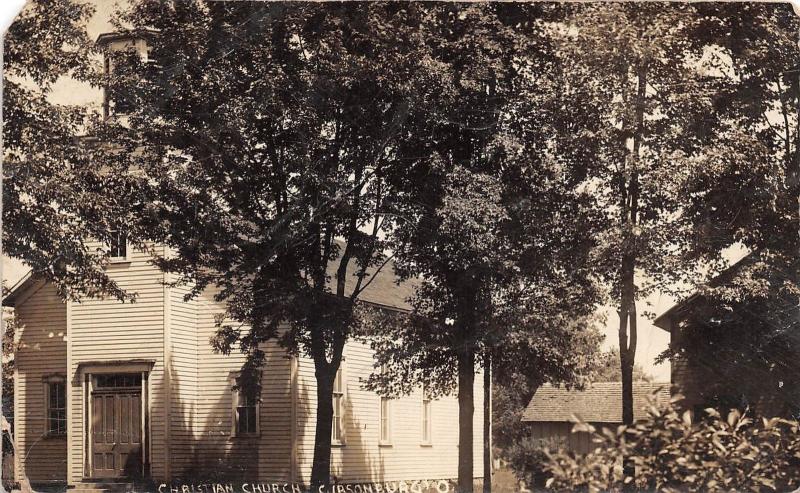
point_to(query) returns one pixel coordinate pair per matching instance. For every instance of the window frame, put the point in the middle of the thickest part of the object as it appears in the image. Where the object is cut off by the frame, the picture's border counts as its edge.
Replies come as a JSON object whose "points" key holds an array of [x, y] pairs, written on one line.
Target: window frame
{"points": [[110, 246], [337, 401], [236, 399], [49, 381], [385, 415], [427, 419]]}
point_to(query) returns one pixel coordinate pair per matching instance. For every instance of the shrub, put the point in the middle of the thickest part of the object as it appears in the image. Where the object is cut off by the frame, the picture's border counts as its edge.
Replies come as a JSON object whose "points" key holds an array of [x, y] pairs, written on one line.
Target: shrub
{"points": [[673, 452], [528, 460]]}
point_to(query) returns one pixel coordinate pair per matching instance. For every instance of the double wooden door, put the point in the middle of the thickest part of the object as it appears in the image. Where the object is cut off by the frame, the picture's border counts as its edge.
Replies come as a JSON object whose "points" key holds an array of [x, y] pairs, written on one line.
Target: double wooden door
{"points": [[117, 433]]}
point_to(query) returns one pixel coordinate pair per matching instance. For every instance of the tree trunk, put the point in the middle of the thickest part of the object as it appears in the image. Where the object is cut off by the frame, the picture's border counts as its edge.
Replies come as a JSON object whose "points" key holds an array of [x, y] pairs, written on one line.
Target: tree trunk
{"points": [[630, 211], [794, 168], [487, 426], [321, 468], [627, 341], [627, 305], [466, 411], [627, 356], [627, 387]]}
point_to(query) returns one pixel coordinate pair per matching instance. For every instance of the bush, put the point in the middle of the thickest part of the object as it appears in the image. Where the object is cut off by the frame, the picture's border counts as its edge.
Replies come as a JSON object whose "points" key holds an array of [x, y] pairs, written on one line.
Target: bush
{"points": [[671, 451], [528, 461]]}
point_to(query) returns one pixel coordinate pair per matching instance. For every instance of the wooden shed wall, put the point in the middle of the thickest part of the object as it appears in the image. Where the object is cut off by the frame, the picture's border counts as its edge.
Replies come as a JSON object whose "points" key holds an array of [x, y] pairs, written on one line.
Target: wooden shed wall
{"points": [[558, 434]]}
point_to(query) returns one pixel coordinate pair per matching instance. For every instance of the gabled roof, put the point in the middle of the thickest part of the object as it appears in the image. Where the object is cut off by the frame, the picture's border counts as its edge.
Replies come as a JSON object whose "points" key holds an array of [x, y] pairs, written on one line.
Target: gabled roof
{"points": [[384, 290], [20, 287], [599, 403], [663, 321]]}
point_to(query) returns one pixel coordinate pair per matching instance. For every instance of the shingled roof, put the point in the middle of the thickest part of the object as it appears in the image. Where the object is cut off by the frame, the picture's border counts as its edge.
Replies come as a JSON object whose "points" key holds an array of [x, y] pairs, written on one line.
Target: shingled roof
{"points": [[599, 403], [384, 288]]}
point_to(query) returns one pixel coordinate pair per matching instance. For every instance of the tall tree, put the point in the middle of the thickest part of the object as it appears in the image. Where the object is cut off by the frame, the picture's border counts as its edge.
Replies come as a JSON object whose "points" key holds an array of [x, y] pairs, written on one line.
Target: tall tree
{"points": [[639, 66], [755, 49], [487, 203], [269, 135], [56, 193]]}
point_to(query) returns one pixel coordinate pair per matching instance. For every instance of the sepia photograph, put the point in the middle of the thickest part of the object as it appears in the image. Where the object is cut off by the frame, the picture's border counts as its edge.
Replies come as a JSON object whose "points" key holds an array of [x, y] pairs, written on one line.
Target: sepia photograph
{"points": [[400, 246]]}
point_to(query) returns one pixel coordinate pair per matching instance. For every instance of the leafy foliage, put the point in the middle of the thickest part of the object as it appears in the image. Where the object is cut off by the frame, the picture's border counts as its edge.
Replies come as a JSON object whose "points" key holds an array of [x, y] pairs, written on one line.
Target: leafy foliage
{"points": [[755, 165], [494, 226], [528, 461], [59, 190], [608, 369], [271, 137], [690, 124], [673, 452]]}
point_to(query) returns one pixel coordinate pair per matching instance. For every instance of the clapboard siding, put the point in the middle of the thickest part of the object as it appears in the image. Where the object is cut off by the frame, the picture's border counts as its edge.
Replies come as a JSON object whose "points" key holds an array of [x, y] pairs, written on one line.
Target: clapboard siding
{"points": [[191, 396], [362, 457], [42, 351], [184, 377], [265, 457], [107, 330]]}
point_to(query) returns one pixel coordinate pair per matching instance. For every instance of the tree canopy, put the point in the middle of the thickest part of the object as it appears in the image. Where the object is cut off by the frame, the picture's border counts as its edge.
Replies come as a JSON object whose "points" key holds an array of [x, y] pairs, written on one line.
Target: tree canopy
{"points": [[57, 193], [681, 171], [270, 138]]}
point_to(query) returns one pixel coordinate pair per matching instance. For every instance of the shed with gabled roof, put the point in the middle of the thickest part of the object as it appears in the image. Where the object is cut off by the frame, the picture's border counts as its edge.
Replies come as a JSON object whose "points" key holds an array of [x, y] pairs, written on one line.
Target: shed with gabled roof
{"points": [[553, 411]]}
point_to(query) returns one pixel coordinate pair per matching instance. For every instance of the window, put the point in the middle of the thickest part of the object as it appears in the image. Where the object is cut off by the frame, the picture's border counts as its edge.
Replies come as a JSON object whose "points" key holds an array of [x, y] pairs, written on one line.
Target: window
{"points": [[116, 380], [338, 407], [245, 414], [56, 400], [245, 410], [385, 419], [386, 428], [426, 417], [118, 245], [115, 100]]}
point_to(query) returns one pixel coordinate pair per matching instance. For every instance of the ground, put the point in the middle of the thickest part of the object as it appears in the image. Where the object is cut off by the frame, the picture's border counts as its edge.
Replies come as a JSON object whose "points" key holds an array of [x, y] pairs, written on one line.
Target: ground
{"points": [[504, 481]]}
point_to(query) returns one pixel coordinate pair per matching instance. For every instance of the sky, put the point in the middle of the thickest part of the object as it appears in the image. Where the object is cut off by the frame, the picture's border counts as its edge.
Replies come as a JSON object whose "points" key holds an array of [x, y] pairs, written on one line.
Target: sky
{"points": [[651, 341]]}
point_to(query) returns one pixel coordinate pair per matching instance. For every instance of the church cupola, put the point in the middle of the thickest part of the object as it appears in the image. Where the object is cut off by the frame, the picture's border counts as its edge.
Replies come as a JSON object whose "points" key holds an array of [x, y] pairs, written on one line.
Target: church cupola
{"points": [[113, 46]]}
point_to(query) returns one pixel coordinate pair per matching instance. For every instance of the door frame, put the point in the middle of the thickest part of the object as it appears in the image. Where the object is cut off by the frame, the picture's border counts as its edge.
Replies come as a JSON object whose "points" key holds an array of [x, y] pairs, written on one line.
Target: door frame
{"points": [[91, 369]]}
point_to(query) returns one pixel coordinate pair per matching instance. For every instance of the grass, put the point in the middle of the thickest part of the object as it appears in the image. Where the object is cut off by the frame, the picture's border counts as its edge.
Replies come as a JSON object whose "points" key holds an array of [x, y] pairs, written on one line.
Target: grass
{"points": [[504, 481]]}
